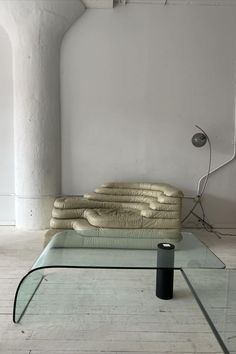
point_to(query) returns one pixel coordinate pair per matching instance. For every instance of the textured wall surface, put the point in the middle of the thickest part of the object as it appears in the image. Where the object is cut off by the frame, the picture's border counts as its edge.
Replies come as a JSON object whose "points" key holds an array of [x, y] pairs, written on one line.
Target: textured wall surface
{"points": [[36, 29], [135, 81], [7, 187]]}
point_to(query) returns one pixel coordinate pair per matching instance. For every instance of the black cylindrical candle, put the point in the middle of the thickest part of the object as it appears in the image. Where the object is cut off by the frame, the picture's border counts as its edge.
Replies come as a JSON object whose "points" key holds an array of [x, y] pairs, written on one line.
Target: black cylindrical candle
{"points": [[165, 270]]}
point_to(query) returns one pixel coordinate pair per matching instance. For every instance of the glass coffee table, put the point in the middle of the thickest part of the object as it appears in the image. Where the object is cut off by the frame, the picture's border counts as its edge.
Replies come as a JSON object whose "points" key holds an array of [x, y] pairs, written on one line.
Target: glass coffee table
{"points": [[66, 250]]}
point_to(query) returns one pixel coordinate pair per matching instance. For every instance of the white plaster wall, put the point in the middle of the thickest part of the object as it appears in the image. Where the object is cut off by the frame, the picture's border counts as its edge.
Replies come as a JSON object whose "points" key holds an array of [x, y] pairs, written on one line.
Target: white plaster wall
{"points": [[7, 212], [135, 81], [36, 29]]}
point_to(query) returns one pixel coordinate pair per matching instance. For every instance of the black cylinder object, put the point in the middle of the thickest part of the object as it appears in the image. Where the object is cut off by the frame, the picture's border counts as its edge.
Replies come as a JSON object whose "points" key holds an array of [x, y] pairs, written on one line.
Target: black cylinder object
{"points": [[165, 271]]}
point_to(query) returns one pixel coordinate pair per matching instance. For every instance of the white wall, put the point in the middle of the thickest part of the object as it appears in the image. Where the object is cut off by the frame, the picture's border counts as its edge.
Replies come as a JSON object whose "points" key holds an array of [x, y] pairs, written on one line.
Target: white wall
{"points": [[135, 81], [7, 213]]}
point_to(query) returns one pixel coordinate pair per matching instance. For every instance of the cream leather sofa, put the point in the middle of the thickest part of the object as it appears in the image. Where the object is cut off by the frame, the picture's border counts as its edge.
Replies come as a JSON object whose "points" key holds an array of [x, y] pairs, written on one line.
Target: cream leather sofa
{"points": [[121, 215]]}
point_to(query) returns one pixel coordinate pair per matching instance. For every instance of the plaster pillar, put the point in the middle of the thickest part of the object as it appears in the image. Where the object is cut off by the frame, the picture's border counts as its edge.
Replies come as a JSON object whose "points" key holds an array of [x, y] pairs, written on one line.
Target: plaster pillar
{"points": [[36, 29]]}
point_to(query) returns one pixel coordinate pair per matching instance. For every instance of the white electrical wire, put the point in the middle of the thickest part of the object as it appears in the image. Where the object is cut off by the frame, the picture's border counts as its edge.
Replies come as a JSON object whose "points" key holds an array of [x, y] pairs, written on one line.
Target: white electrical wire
{"points": [[220, 166]]}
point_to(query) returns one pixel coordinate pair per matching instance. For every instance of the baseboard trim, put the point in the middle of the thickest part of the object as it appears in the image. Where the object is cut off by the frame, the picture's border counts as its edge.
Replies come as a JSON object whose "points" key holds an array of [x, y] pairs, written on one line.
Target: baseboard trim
{"points": [[7, 223]]}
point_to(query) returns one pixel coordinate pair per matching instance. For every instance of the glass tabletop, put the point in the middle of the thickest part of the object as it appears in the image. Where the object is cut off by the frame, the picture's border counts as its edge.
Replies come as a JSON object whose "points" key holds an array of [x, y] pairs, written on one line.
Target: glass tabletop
{"points": [[66, 250], [215, 291]]}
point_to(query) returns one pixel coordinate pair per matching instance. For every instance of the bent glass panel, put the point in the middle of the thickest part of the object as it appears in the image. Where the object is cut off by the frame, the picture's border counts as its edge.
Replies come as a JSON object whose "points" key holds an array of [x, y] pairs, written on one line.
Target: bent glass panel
{"points": [[25, 292], [67, 249]]}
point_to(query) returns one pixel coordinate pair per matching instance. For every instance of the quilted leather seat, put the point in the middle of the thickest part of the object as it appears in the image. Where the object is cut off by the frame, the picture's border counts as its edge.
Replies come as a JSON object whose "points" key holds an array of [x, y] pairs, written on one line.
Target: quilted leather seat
{"points": [[138, 213]]}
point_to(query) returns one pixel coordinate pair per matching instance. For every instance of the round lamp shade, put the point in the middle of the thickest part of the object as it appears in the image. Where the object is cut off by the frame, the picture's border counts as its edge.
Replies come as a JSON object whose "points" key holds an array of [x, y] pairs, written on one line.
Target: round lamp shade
{"points": [[199, 139]]}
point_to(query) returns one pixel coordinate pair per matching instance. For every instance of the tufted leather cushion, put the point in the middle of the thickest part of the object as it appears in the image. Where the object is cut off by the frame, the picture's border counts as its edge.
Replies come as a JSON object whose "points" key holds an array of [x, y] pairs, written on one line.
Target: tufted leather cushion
{"points": [[134, 209]]}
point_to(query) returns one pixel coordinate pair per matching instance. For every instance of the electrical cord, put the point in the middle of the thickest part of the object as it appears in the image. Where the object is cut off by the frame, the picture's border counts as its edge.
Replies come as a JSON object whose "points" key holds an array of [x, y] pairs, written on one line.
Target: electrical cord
{"points": [[206, 225], [209, 164], [209, 228]]}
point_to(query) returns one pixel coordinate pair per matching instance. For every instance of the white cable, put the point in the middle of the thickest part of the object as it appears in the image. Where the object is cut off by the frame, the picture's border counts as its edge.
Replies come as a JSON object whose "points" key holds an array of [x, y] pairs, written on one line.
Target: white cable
{"points": [[221, 165]]}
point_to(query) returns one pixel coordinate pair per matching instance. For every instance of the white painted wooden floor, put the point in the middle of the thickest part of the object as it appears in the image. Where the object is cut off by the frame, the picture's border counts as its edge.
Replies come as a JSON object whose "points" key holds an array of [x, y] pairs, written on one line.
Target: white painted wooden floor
{"points": [[94, 311]]}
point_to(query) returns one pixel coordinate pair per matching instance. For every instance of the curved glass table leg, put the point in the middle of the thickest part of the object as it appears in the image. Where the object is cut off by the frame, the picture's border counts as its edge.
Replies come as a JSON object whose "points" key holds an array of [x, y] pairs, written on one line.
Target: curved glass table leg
{"points": [[25, 292]]}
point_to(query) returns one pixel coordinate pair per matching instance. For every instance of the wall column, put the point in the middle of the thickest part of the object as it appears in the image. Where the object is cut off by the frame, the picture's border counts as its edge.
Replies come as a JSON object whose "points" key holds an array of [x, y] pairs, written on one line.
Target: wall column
{"points": [[36, 29]]}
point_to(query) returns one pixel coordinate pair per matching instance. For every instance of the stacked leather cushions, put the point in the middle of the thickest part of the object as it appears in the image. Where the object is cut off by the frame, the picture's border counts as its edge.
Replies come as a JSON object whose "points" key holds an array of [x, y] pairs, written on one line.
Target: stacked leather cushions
{"points": [[136, 210]]}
